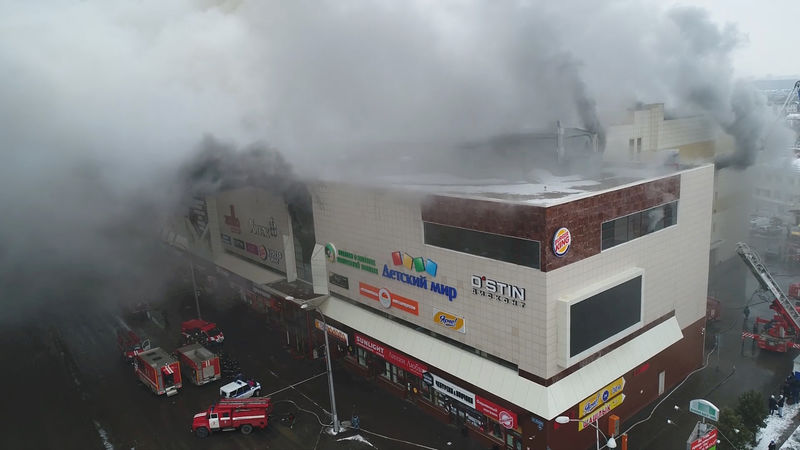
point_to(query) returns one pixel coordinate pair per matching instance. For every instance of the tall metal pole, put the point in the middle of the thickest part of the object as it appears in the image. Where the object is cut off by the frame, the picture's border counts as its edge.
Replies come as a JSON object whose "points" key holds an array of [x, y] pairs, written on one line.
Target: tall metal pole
{"points": [[330, 375], [194, 288]]}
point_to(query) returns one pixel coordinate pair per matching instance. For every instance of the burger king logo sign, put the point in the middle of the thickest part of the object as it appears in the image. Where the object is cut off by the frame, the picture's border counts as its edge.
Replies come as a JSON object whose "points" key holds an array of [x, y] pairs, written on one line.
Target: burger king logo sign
{"points": [[562, 239]]}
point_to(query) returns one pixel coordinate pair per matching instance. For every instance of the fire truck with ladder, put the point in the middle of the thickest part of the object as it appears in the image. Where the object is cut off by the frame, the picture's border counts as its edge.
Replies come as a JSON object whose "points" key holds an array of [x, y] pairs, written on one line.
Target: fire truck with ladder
{"points": [[780, 333], [229, 414]]}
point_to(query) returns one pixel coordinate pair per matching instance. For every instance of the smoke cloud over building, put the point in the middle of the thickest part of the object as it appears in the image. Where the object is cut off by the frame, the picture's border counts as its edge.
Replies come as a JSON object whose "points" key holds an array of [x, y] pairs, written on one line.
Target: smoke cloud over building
{"points": [[104, 104]]}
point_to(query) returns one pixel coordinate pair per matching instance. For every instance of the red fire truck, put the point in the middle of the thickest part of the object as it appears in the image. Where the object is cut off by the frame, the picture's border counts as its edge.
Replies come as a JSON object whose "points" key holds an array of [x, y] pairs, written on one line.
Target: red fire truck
{"points": [[200, 365], [201, 332], [230, 414], [159, 371], [781, 332], [130, 344]]}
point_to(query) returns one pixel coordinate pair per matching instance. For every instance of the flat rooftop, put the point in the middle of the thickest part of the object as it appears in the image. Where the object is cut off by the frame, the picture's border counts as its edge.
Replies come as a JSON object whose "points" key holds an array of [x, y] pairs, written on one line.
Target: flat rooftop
{"points": [[543, 189]]}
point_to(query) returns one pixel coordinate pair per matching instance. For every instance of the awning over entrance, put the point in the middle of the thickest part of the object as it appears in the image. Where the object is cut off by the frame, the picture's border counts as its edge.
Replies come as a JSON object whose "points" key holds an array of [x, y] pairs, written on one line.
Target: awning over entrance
{"points": [[544, 401], [246, 270]]}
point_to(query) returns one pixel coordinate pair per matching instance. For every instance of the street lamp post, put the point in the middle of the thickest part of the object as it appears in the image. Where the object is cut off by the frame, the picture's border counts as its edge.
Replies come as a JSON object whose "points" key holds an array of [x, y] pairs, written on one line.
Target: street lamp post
{"points": [[334, 416], [610, 441]]}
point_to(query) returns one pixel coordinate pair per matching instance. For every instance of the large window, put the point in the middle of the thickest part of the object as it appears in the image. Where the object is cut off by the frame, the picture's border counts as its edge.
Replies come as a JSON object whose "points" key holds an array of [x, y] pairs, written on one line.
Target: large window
{"points": [[495, 246], [603, 315], [638, 224]]}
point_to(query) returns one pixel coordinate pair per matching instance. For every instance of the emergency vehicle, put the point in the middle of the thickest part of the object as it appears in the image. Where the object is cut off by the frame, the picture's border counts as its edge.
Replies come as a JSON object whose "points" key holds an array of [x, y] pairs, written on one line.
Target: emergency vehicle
{"points": [[199, 364], [781, 332], [159, 371], [231, 414], [130, 344], [241, 388], [201, 332]]}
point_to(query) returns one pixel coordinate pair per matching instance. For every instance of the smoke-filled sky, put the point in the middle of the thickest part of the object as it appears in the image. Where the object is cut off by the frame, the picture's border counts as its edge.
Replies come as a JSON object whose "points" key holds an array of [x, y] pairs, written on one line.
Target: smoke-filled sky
{"points": [[100, 101]]}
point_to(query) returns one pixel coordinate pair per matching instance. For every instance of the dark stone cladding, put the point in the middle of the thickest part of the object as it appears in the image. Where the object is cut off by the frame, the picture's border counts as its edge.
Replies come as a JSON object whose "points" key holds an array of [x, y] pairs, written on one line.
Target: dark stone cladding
{"points": [[597, 355], [583, 217]]}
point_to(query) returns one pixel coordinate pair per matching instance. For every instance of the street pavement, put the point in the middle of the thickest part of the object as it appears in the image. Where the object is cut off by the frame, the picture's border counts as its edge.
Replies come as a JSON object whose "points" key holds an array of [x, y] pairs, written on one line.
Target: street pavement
{"points": [[66, 387]]}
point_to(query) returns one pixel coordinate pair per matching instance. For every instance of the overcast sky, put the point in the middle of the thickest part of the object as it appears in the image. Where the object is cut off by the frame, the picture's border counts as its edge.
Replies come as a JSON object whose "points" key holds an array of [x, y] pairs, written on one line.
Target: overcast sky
{"points": [[772, 47]]}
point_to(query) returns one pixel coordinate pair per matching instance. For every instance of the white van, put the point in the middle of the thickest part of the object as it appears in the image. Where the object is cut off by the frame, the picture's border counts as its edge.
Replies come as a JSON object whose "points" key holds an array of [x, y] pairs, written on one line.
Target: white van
{"points": [[240, 389]]}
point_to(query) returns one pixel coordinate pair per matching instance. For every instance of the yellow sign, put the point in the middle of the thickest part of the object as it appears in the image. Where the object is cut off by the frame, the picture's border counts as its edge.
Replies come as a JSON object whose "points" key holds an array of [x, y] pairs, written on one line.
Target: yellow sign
{"points": [[450, 321], [605, 409], [598, 398]]}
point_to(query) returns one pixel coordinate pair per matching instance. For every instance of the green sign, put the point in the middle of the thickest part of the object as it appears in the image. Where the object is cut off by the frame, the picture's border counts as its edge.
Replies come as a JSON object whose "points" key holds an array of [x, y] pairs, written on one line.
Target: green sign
{"points": [[704, 408], [351, 259]]}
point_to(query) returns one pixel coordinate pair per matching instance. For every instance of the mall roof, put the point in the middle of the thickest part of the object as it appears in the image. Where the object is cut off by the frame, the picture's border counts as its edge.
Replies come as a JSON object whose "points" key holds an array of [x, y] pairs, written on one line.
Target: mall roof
{"points": [[543, 189]]}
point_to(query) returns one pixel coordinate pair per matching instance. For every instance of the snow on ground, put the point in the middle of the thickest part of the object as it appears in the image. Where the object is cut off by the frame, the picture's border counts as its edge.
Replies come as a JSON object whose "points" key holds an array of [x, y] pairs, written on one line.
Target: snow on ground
{"points": [[357, 438], [777, 426]]}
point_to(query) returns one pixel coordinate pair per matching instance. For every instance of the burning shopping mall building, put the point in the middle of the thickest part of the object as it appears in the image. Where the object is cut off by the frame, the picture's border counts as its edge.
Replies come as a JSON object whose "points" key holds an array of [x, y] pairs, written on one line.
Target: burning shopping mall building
{"points": [[494, 306]]}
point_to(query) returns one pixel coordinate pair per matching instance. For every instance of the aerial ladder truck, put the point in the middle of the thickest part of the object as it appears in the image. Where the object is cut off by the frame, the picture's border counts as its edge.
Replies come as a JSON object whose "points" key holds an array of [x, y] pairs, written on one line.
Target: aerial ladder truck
{"points": [[780, 333]]}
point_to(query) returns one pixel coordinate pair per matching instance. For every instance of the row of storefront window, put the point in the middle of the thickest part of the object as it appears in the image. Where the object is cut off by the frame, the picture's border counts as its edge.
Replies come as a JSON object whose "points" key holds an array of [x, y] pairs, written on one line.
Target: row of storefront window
{"points": [[462, 414]]}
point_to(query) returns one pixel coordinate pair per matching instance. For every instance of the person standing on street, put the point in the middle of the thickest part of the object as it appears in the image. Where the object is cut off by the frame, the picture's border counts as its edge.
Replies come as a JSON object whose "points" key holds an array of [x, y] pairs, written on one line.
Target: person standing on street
{"points": [[773, 404], [781, 401], [771, 445]]}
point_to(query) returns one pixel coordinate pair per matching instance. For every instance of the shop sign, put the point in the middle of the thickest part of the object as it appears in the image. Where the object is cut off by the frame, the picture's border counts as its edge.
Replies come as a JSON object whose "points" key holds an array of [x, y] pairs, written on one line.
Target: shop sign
{"points": [[409, 365], [600, 397], [427, 378], [251, 248], [335, 332], [506, 418], [233, 222], [419, 265], [498, 290], [704, 408], [707, 442], [451, 390], [562, 239], [238, 243], [448, 320], [605, 409], [389, 299], [539, 422], [641, 369], [225, 238], [351, 259], [339, 280], [268, 231], [269, 254]]}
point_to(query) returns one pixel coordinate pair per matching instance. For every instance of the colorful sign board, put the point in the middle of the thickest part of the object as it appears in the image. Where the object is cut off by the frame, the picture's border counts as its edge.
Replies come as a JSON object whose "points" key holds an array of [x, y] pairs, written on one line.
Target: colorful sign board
{"points": [[417, 263], [399, 360], [422, 269], [388, 299], [450, 321], [351, 259], [335, 332], [605, 409], [707, 442], [562, 239], [594, 401]]}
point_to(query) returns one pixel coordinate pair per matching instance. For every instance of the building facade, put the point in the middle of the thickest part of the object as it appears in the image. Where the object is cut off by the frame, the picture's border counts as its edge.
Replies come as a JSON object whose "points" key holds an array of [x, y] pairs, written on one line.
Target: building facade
{"points": [[496, 308]]}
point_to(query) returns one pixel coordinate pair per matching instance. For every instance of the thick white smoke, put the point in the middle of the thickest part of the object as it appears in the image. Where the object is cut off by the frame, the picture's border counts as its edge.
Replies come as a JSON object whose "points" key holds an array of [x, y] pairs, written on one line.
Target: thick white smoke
{"points": [[102, 101]]}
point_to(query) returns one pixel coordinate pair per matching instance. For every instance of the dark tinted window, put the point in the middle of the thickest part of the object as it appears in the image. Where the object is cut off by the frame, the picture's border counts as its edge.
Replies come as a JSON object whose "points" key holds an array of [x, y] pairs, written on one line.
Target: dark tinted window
{"points": [[603, 315], [638, 224], [503, 248]]}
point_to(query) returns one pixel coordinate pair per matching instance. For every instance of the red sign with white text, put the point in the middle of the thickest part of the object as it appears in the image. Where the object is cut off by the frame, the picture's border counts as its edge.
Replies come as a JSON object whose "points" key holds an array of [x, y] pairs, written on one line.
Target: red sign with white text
{"points": [[497, 413], [706, 442], [399, 360]]}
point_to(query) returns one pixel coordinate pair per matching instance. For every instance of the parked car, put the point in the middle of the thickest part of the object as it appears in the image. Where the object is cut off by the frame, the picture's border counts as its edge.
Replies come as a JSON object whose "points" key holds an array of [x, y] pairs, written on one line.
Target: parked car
{"points": [[241, 388]]}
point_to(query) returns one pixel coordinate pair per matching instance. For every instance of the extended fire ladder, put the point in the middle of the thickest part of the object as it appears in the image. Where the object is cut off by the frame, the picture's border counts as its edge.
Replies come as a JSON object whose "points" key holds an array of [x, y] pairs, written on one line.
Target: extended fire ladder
{"points": [[764, 278]]}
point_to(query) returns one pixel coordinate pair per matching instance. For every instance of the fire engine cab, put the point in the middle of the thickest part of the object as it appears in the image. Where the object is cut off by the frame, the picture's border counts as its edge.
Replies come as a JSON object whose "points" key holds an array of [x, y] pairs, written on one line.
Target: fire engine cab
{"points": [[230, 414], [201, 332], [159, 371], [130, 344]]}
